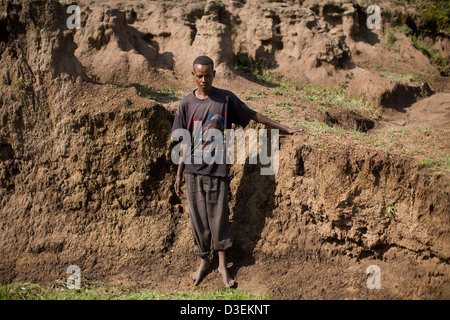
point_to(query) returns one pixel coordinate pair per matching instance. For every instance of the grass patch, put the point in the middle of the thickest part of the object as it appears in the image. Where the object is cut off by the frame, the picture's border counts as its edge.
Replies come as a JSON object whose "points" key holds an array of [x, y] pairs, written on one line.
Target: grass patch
{"points": [[270, 114], [391, 210], [256, 94], [286, 105], [439, 163], [436, 19], [429, 131], [165, 93], [391, 39], [318, 129], [258, 71], [435, 55], [428, 155], [425, 163], [397, 77], [31, 291], [19, 85], [335, 95], [160, 95], [398, 133]]}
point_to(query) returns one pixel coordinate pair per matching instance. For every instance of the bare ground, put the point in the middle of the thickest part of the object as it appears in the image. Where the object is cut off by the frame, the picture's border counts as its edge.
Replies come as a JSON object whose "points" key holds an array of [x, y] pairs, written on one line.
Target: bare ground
{"points": [[86, 175]]}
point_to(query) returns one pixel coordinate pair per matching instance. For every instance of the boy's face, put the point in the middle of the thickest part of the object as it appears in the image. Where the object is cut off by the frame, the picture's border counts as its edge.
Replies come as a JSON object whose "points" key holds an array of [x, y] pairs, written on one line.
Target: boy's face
{"points": [[204, 76]]}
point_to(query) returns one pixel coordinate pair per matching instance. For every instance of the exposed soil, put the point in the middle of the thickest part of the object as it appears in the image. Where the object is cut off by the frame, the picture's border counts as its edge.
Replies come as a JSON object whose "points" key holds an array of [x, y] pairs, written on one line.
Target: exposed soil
{"points": [[86, 176]]}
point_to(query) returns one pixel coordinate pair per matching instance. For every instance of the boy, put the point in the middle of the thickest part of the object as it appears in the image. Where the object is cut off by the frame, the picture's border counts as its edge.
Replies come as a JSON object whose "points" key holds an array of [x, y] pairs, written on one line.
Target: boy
{"points": [[203, 109]]}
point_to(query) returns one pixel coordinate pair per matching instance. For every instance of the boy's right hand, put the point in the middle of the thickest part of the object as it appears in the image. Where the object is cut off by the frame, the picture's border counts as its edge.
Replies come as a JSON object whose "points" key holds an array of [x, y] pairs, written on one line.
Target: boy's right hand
{"points": [[177, 186]]}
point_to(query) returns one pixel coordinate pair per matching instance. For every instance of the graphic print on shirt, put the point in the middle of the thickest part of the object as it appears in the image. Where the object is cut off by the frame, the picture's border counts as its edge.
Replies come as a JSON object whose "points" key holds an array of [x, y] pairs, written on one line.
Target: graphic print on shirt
{"points": [[205, 135], [216, 114]]}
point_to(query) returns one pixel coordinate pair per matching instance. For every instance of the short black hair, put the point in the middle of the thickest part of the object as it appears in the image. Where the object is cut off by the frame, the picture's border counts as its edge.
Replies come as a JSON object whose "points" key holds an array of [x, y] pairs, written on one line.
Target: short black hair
{"points": [[204, 61]]}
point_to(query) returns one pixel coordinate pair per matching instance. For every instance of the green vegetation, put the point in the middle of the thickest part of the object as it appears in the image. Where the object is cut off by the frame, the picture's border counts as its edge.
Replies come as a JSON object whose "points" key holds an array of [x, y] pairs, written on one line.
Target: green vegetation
{"points": [[397, 77], [433, 156], [337, 96], [435, 14], [333, 95], [434, 54], [429, 131], [390, 44], [318, 129], [256, 94], [93, 76], [164, 94], [391, 210], [257, 70], [148, 93], [436, 19], [425, 163], [272, 115], [20, 85], [323, 97], [394, 76], [398, 133], [30, 291], [291, 99], [436, 162]]}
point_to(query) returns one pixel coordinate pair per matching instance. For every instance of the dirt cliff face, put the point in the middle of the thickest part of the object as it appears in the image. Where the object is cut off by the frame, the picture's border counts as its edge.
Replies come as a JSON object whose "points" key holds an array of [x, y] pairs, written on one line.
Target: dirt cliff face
{"points": [[322, 43], [86, 176]]}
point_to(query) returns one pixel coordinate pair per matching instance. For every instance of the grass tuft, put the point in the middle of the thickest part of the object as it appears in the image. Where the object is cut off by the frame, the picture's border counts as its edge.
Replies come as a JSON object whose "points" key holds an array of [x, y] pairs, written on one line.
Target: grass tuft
{"points": [[32, 291]]}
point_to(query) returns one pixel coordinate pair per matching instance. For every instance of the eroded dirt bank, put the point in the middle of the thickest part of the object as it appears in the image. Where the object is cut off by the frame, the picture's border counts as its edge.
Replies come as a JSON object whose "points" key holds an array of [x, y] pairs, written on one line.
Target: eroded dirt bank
{"points": [[86, 174]]}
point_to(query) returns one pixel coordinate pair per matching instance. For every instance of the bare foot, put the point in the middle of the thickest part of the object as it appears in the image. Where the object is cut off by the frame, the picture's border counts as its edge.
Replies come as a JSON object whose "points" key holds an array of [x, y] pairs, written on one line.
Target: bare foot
{"points": [[196, 277], [227, 280]]}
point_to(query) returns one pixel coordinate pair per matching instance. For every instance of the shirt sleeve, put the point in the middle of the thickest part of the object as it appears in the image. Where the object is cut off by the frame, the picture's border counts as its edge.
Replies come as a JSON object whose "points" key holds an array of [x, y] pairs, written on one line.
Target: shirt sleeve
{"points": [[239, 112], [179, 121]]}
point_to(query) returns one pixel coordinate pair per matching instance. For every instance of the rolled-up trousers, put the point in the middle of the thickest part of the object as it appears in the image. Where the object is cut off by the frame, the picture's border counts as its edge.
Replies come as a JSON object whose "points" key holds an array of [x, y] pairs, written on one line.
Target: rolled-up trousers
{"points": [[208, 212]]}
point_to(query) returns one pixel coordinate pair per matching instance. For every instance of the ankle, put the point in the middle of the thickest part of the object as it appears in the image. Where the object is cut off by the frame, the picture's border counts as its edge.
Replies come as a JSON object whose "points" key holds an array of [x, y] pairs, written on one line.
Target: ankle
{"points": [[204, 261]]}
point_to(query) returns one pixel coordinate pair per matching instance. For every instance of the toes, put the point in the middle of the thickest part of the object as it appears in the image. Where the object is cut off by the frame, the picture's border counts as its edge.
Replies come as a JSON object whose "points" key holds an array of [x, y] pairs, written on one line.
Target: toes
{"points": [[194, 278], [227, 280], [229, 283]]}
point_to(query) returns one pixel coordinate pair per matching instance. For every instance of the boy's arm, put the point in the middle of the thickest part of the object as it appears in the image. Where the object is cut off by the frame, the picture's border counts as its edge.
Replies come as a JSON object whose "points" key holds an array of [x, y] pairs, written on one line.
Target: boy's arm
{"points": [[179, 177], [258, 117]]}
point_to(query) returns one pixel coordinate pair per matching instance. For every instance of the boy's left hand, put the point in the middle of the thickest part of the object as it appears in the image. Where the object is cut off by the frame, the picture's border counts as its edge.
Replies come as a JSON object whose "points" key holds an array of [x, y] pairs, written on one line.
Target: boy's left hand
{"points": [[296, 129]]}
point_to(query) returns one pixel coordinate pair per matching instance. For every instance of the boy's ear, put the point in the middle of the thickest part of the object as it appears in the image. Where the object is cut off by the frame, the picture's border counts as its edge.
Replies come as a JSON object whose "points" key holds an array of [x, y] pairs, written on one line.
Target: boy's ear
{"points": [[214, 73]]}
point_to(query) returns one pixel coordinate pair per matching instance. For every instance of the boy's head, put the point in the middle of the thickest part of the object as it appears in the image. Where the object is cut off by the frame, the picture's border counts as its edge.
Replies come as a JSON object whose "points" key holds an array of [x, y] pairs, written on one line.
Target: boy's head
{"points": [[204, 61], [203, 73]]}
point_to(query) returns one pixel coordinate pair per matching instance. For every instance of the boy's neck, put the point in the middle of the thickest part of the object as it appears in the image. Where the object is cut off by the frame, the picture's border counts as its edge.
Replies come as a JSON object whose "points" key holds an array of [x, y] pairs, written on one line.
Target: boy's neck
{"points": [[201, 94]]}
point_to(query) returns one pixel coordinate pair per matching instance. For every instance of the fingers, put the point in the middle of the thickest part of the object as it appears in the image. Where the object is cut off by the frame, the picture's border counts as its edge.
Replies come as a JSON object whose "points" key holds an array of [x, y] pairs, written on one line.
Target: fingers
{"points": [[299, 129], [178, 191], [177, 188]]}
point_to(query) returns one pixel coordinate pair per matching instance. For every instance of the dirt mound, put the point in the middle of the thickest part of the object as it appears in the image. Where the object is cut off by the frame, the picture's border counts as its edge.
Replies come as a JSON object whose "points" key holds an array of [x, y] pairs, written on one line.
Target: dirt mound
{"points": [[86, 175], [430, 112], [57, 132], [324, 43]]}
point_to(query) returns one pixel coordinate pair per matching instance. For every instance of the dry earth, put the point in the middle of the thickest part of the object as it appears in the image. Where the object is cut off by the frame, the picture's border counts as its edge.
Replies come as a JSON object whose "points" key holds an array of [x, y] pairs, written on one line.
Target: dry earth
{"points": [[85, 167]]}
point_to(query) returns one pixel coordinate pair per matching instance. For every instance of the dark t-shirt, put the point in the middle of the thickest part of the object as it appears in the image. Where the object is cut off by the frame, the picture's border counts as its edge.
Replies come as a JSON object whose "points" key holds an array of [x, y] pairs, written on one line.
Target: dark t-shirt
{"points": [[219, 111]]}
